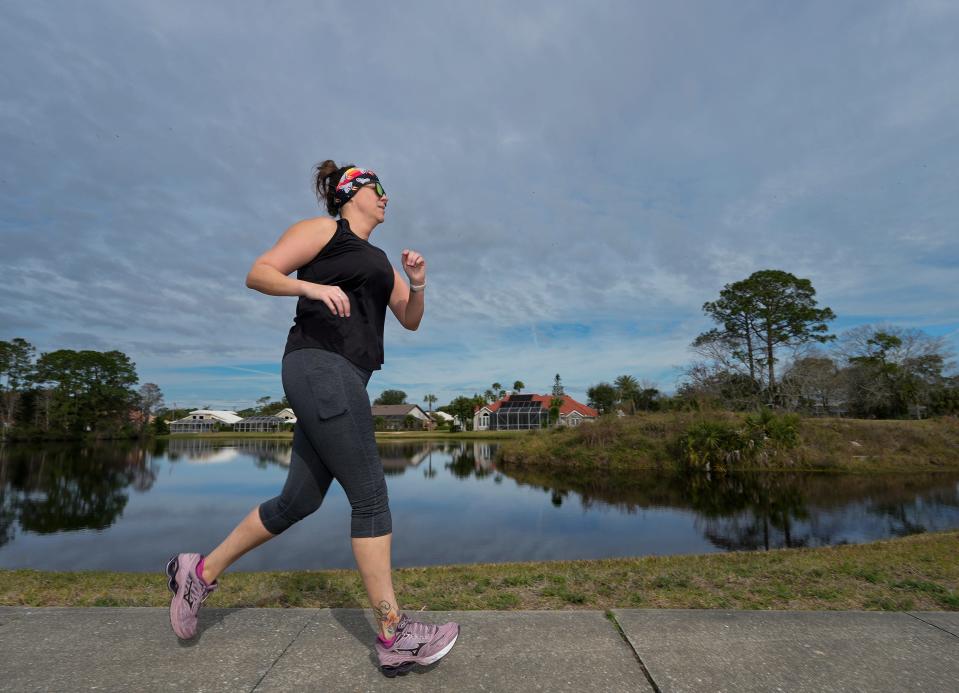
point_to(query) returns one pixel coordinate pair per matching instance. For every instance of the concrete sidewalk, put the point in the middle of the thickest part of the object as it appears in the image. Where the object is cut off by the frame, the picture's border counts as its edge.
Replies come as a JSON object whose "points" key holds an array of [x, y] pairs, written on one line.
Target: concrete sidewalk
{"points": [[123, 649]]}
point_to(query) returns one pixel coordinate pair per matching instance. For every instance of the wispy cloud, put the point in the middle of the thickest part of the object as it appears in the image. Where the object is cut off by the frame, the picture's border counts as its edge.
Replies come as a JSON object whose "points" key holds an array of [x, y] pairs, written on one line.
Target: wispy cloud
{"points": [[580, 178]]}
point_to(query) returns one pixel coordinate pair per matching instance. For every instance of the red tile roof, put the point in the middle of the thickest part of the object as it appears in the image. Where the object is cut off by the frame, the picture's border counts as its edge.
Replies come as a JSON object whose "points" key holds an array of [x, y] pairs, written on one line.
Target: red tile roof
{"points": [[569, 405]]}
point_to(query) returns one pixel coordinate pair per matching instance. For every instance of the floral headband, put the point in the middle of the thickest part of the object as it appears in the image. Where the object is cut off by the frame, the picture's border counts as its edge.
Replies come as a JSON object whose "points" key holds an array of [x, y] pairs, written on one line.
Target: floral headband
{"points": [[352, 180]]}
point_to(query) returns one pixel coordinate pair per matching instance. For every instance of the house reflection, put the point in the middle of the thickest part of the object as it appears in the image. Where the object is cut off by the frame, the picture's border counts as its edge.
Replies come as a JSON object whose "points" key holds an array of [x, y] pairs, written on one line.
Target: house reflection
{"points": [[264, 451], [398, 457]]}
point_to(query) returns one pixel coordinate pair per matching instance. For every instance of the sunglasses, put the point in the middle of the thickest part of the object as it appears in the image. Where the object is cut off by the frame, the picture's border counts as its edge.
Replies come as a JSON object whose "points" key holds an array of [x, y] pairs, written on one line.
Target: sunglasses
{"points": [[377, 188]]}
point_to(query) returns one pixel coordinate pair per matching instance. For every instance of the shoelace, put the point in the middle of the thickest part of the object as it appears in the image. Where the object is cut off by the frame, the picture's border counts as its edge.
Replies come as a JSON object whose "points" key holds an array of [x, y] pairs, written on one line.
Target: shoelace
{"points": [[200, 590], [419, 630]]}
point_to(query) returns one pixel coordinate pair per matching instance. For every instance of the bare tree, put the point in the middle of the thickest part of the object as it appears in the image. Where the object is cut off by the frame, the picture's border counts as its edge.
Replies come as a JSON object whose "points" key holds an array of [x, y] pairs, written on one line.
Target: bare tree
{"points": [[151, 399], [813, 383]]}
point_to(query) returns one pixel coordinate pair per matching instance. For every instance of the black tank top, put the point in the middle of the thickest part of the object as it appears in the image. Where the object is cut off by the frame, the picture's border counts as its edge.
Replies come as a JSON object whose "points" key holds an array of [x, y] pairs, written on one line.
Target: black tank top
{"points": [[365, 275]]}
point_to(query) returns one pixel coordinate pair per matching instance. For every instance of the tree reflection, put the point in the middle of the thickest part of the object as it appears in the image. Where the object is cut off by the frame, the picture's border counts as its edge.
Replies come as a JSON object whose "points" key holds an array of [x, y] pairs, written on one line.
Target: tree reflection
{"points": [[763, 510], [472, 459], [60, 487]]}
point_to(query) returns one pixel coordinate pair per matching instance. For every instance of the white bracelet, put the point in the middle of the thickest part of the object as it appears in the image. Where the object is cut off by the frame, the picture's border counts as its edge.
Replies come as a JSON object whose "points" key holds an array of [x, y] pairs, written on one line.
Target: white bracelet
{"points": [[418, 287]]}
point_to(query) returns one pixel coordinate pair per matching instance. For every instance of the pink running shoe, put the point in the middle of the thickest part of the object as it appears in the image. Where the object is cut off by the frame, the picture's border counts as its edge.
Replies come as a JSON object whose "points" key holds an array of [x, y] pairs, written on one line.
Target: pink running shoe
{"points": [[189, 592], [415, 643]]}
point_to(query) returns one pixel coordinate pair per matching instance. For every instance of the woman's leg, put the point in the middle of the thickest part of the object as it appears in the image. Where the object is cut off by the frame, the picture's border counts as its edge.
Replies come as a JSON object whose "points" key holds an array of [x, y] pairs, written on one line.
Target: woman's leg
{"points": [[247, 535], [373, 560], [306, 485], [340, 427]]}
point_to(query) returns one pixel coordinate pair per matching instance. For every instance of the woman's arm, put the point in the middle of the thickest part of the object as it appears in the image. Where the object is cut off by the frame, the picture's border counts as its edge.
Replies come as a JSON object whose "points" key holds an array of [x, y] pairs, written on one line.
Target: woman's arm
{"points": [[297, 246], [408, 305]]}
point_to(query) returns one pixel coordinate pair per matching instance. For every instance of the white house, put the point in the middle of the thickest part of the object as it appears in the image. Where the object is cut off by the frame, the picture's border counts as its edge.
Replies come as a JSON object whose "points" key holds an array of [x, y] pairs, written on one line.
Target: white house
{"points": [[204, 420], [287, 415]]}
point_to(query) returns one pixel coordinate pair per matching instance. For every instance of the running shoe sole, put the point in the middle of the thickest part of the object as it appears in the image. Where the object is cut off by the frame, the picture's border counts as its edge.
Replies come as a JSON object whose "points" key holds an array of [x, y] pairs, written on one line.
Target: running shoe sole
{"points": [[172, 566]]}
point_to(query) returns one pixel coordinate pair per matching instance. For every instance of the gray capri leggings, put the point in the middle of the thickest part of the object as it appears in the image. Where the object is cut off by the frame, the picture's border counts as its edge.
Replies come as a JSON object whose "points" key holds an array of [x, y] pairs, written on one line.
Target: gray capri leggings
{"points": [[333, 439]]}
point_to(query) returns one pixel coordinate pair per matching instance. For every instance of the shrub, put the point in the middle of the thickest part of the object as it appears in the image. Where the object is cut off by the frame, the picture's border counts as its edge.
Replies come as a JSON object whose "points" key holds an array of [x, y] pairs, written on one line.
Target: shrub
{"points": [[781, 429], [713, 445]]}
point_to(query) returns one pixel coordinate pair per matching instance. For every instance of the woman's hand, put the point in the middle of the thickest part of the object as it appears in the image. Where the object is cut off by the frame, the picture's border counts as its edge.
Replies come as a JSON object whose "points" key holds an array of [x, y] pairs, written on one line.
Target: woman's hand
{"points": [[415, 266], [333, 296]]}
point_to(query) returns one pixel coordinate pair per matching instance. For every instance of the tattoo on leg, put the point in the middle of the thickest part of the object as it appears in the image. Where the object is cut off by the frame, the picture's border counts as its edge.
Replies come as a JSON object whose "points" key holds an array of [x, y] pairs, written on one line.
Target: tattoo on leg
{"points": [[388, 618]]}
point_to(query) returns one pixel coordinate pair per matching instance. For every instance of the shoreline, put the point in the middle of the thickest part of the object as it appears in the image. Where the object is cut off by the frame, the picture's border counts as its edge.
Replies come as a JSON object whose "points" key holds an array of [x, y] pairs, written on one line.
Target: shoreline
{"points": [[913, 572], [650, 441]]}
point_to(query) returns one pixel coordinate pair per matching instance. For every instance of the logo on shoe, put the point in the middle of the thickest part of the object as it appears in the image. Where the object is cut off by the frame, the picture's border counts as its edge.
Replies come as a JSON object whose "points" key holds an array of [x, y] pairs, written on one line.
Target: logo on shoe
{"points": [[188, 591], [414, 651]]}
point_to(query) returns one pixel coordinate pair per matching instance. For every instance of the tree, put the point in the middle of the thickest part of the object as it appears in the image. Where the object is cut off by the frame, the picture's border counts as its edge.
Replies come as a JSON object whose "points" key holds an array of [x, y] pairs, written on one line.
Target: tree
{"points": [[463, 409], [813, 383], [151, 399], [768, 310], [430, 399], [272, 406], [707, 383], [558, 387], [92, 390], [555, 407], [602, 396], [16, 370], [489, 396], [518, 386], [391, 397], [498, 391], [647, 399], [892, 370], [626, 386], [627, 392]]}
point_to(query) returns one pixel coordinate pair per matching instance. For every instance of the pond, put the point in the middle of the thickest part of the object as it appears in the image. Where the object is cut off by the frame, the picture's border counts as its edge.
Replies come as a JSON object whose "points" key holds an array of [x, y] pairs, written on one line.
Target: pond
{"points": [[122, 506]]}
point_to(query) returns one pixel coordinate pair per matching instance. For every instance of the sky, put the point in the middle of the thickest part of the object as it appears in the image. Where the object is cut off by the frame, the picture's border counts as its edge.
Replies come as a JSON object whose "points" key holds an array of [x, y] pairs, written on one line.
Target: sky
{"points": [[580, 177]]}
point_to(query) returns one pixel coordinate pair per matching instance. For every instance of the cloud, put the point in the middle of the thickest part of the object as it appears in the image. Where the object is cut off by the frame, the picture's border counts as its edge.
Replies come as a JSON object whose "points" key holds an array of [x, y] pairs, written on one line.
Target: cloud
{"points": [[580, 178]]}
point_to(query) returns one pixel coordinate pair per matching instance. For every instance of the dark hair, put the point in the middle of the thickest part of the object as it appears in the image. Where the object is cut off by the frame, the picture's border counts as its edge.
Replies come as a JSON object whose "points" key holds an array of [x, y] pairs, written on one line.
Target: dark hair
{"points": [[325, 178]]}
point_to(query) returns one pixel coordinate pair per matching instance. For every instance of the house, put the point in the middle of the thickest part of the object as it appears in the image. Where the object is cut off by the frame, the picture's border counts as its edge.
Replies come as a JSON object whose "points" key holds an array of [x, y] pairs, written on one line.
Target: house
{"points": [[394, 415], [260, 424], [204, 421], [287, 415], [518, 412], [441, 418]]}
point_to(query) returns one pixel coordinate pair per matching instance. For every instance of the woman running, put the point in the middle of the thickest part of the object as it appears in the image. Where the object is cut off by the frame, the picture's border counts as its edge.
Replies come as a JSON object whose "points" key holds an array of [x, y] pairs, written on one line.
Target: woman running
{"points": [[344, 284]]}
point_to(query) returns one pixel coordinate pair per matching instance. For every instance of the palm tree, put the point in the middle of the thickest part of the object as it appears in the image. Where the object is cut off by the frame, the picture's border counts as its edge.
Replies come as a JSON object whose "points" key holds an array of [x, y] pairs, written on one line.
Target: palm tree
{"points": [[429, 399], [498, 390], [489, 396], [518, 386], [627, 388]]}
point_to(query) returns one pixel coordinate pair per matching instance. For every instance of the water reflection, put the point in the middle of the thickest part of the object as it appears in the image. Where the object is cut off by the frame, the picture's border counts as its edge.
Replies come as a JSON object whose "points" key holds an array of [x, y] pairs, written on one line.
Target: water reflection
{"points": [[766, 510], [263, 451], [207, 484], [473, 459], [56, 487]]}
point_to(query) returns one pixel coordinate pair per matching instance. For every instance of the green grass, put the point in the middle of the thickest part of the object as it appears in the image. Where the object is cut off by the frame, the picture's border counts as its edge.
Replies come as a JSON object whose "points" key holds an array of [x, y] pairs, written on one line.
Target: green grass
{"points": [[653, 441], [916, 572]]}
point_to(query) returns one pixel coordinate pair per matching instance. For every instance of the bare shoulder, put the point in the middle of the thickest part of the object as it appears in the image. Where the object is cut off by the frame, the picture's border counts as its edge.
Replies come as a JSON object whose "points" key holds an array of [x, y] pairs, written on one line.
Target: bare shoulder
{"points": [[324, 227], [300, 243], [311, 233]]}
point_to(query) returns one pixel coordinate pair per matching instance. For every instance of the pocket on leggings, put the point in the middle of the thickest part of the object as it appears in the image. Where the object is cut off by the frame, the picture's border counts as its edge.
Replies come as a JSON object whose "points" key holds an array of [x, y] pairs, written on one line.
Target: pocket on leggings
{"points": [[327, 387]]}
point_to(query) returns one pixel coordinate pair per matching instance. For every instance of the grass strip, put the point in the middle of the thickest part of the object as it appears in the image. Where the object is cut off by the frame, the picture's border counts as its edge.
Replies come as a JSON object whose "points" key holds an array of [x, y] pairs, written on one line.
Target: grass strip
{"points": [[824, 444], [918, 572]]}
